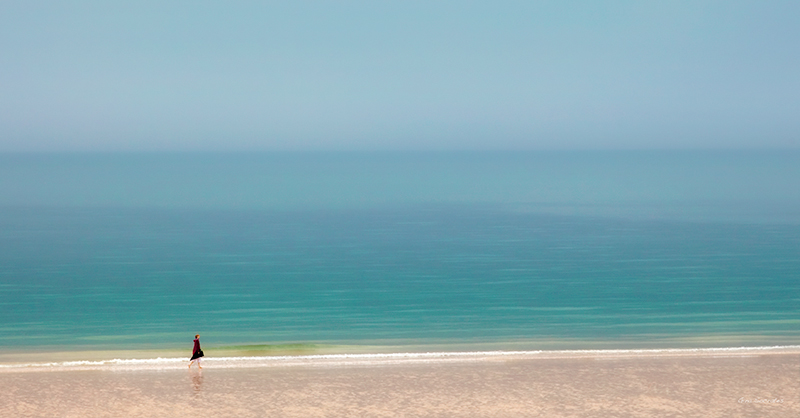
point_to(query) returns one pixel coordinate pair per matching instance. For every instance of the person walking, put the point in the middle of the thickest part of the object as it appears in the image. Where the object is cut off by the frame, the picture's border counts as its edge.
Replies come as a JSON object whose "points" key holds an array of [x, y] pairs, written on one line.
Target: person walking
{"points": [[197, 353]]}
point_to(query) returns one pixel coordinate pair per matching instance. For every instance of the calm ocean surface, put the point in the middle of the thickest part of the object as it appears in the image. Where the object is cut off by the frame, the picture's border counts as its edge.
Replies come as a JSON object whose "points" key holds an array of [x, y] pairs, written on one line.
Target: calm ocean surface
{"points": [[621, 248]]}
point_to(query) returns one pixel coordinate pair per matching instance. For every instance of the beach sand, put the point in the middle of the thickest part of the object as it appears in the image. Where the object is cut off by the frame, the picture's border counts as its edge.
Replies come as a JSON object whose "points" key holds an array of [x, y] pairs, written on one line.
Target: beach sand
{"points": [[711, 384]]}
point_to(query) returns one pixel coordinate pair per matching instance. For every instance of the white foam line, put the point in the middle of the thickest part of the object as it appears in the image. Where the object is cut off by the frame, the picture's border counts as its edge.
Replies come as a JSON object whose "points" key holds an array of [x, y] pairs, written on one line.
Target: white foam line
{"points": [[512, 353], [373, 358]]}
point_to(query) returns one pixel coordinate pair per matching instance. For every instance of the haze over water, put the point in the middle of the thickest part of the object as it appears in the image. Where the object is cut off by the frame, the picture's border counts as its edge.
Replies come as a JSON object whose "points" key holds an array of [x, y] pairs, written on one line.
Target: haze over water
{"points": [[556, 249]]}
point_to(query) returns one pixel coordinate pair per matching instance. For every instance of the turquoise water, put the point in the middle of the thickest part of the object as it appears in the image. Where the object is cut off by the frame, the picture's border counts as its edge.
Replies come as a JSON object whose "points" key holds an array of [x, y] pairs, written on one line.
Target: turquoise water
{"points": [[121, 251]]}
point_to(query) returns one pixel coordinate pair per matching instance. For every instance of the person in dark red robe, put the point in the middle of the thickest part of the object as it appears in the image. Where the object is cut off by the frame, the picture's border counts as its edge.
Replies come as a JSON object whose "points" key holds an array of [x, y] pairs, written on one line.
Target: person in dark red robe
{"points": [[197, 353]]}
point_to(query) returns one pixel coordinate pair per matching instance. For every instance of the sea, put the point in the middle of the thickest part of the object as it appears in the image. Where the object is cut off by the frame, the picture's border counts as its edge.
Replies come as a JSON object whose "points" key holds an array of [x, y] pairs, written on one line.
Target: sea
{"points": [[453, 250]]}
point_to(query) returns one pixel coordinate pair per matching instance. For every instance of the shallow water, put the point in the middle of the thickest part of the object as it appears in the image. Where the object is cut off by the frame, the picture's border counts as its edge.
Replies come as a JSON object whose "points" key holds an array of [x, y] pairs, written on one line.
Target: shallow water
{"points": [[142, 252]]}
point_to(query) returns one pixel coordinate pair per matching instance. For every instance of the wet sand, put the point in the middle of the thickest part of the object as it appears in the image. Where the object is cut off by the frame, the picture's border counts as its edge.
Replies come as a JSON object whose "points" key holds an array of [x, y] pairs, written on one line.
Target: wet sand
{"points": [[645, 385]]}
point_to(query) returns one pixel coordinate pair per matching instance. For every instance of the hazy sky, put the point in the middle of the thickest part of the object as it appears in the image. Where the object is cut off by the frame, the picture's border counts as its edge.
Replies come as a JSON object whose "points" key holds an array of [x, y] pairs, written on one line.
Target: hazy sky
{"points": [[321, 75]]}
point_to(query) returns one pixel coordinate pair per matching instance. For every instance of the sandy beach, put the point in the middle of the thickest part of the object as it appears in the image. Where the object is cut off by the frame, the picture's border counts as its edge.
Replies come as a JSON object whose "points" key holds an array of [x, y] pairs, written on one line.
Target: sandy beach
{"points": [[625, 383]]}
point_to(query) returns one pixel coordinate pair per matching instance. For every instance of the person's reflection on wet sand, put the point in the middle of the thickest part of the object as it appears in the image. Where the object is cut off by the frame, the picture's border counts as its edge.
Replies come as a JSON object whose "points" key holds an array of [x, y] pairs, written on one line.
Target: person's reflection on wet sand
{"points": [[197, 382]]}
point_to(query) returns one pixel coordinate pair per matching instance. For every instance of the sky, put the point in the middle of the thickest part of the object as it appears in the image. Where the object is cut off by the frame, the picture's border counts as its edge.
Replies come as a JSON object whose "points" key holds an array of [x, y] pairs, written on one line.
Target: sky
{"points": [[405, 75]]}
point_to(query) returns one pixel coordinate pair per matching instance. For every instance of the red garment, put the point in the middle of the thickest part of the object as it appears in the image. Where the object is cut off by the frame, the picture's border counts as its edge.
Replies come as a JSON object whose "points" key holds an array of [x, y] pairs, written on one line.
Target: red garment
{"points": [[196, 351]]}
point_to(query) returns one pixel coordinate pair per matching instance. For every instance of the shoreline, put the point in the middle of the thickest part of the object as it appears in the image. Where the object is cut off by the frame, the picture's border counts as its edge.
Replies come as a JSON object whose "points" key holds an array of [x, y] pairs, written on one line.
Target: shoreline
{"points": [[214, 348], [126, 361]]}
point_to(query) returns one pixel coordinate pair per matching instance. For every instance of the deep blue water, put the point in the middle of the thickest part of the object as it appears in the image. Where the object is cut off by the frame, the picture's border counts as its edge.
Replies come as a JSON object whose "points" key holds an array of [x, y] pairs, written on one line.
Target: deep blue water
{"points": [[625, 266]]}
